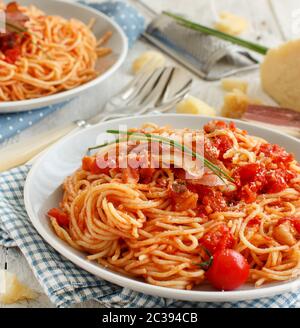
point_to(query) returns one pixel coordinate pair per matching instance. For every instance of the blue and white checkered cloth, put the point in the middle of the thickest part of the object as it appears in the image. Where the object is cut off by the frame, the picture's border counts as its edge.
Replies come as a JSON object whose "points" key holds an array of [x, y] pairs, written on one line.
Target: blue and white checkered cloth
{"points": [[132, 24], [67, 284]]}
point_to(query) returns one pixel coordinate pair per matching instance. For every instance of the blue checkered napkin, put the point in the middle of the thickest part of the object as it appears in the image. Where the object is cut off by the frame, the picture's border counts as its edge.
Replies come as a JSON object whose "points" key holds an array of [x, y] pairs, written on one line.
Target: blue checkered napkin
{"points": [[65, 283], [131, 22]]}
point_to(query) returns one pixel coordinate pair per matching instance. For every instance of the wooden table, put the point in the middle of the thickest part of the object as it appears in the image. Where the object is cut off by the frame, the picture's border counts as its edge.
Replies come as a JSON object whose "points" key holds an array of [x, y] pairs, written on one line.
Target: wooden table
{"points": [[272, 21]]}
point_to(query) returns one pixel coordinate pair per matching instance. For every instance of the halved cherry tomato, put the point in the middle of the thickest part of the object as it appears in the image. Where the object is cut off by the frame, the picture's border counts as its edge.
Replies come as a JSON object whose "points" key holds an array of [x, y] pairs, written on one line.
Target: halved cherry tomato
{"points": [[229, 270], [61, 217]]}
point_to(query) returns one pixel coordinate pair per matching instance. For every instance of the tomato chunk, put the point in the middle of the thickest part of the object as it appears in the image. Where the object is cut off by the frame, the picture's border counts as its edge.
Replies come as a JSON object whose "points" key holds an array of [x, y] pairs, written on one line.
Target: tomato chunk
{"points": [[182, 198], [247, 173], [218, 239], [223, 143], [296, 223], [254, 179], [253, 222], [146, 174], [276, 153], [275, 182], [211, 198], [11, 55], [89, 163], [61, 217]]}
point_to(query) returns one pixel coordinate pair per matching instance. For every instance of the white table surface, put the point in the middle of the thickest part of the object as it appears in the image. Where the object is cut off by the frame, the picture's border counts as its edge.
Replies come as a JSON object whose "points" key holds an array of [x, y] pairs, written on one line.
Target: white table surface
{"points": [[272, 21]]}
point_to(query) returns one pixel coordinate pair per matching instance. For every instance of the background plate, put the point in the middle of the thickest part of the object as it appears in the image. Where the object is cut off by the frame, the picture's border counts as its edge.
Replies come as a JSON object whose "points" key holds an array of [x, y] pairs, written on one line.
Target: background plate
{"points": [[118, 43]]}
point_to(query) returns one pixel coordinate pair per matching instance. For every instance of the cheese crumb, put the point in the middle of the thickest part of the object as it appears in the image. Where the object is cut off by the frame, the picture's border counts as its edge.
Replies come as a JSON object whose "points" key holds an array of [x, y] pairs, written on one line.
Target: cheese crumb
{"points": [[280, 76], [152, 59], [236, 103], [12, 290], [231, 24], [193, 105], [143, 257], [230, 84]]}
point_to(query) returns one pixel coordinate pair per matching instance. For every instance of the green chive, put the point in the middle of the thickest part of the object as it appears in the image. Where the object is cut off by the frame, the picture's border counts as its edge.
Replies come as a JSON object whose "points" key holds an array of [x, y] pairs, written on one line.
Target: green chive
{"points": [[221, 35], [147, 136], [15, 27]]}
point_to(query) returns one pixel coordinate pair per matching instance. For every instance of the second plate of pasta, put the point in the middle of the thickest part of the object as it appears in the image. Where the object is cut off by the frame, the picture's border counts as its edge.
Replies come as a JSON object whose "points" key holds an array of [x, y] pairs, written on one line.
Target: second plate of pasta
{"points": [[53, 51]]}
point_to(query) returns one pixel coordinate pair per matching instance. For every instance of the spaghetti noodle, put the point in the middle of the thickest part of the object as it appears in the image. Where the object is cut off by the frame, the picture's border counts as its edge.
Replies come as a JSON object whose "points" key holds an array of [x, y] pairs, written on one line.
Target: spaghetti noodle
{"points": [[158, 225], [55, 54]]}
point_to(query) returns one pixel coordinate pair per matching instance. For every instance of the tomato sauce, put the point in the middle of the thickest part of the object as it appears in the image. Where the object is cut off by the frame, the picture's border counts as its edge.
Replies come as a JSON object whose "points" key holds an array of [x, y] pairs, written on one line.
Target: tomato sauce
{"points": [[251, 179], [11, 41]]}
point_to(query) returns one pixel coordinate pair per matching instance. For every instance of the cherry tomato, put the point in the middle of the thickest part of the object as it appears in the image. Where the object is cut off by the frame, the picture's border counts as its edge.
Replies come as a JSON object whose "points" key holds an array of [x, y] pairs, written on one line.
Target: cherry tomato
{"points": [[228, 271], [61, 217]]}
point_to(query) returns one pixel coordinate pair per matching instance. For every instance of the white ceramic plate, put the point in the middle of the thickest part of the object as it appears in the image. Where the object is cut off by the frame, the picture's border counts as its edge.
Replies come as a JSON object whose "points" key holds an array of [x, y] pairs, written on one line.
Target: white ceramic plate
{"points": [[43, 191], [118, 43]]}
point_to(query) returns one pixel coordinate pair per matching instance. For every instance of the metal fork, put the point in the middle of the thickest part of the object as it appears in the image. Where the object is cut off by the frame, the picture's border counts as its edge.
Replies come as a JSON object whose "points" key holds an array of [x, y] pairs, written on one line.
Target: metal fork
{"points": [[150, 91], [156, 91]]}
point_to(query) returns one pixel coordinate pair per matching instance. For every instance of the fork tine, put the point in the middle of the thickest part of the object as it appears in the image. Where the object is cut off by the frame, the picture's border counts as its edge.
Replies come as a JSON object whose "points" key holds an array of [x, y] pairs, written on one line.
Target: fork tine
{"points": [[159, 89], [165, 106], [143, 83], [129, 92], [185, 89], [141, 93], [142, 75], [180, 80]]}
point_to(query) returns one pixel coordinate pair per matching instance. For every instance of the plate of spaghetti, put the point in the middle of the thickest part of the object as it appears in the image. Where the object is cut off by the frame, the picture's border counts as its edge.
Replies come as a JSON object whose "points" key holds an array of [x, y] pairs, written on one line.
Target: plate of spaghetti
{"points": [[173, 206], [51, 51]]}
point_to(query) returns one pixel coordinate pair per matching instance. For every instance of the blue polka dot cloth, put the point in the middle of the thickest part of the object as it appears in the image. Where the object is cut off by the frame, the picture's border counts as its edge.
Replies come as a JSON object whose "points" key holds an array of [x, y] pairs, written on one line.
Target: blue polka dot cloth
{"points": [[129, 19], [131, 22]]}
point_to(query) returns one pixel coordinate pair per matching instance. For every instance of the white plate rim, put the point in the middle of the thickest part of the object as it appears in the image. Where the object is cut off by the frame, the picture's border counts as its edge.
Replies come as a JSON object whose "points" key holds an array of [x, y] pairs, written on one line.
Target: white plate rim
{"points": [[143, 287], [37, 103]]}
